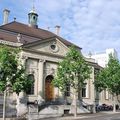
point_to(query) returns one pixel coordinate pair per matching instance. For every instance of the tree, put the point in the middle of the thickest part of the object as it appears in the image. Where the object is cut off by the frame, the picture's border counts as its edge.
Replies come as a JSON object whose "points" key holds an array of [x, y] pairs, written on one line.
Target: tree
{"points": [[109, 78], [12, 72], [72, 71]]}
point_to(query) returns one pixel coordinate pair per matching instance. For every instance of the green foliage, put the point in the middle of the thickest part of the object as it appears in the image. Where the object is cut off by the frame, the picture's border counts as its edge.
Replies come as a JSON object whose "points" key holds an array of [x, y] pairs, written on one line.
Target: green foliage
{"points": [[73, 70], [100, 80], [109, 77], [12, 72]]}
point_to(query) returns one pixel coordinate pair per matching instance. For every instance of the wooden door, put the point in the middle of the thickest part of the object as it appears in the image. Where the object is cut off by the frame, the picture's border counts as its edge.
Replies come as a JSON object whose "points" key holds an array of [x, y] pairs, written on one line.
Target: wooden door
{"points": [[49, 89]]}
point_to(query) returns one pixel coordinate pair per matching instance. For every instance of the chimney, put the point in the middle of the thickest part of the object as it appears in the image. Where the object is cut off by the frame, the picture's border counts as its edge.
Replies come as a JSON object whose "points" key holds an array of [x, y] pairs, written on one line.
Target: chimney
{"points": [[5, 16], [57, 29]]}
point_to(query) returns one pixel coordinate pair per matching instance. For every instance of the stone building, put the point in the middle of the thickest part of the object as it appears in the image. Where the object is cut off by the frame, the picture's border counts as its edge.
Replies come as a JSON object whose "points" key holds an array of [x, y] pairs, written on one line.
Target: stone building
{"points": [[102, 59], [41, 52]]}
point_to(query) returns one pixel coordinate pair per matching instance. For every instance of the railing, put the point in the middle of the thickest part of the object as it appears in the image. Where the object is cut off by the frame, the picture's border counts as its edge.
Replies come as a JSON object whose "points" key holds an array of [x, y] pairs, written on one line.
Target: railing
{"points": [[89, 107]]}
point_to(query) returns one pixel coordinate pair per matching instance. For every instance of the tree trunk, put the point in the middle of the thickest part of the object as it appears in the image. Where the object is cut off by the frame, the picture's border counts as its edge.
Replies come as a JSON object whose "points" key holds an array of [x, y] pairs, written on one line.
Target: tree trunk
{"points": [[17, 105], [114, 103], [4, 104], [80, 97], [75, 105], [80, 94]]}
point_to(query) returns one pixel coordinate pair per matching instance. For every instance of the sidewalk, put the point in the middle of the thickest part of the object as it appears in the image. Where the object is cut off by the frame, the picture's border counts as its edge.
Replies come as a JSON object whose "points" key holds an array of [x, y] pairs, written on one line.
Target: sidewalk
{"points": [[79, 117], [83, 116]]}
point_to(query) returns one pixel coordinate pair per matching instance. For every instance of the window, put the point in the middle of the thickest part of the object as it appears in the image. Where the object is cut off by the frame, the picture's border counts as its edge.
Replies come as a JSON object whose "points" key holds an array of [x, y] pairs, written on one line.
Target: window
{"points": [[84, 92], [54, 47], [106, 93], [67, 92], [34, 17], [30, 91]]}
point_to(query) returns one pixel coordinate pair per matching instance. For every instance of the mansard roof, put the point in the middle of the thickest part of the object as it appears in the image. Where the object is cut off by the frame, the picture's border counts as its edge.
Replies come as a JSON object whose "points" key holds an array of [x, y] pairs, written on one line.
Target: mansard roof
{"points": [[29, 34]]}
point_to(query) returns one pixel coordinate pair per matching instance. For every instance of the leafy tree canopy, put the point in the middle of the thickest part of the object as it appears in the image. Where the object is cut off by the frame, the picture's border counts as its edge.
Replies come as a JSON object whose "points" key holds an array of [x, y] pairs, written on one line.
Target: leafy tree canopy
{"points": [[12, 72], [73, 71], [109, 77]]}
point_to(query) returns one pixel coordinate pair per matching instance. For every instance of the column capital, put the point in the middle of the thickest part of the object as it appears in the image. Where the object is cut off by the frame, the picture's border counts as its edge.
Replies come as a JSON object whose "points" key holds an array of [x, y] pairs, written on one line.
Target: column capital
{"points": [[41, 60], [24, 57]]}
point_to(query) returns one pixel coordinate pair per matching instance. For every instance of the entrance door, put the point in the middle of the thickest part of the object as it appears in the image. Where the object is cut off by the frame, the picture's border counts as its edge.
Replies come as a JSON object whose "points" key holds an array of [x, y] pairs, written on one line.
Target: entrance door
{"points": [[49, 89]]}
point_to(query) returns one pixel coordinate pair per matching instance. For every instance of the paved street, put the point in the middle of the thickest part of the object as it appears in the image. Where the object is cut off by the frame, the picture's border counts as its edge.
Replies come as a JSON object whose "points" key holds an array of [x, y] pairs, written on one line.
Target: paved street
{"points": [[97, 116]]}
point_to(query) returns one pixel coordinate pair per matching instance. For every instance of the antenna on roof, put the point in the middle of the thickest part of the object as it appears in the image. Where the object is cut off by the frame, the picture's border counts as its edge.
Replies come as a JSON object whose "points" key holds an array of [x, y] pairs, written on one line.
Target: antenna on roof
{"points": [[90, 54], [33, 7], [48, 28]]}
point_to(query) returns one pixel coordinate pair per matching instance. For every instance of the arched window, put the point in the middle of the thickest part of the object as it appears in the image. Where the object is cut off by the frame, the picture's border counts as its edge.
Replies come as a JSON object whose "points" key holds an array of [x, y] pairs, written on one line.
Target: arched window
{"points": [[30, 91], [34, 18]]}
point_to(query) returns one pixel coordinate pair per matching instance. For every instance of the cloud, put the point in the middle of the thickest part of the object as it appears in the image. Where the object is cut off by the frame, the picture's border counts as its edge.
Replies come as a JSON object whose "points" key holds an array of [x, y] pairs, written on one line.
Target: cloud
{"points": [[93, 25], [98, 24]]}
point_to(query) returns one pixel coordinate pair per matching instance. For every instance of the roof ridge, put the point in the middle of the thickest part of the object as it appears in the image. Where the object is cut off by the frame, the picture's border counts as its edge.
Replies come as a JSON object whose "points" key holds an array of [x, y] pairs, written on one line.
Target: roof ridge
{"points": [[7, 24], [40, 33], [27, 26]]}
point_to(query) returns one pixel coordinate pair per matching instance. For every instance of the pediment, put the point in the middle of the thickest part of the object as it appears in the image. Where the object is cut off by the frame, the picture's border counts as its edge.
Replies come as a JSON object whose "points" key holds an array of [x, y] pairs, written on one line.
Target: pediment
{"points": [[54, 46]]}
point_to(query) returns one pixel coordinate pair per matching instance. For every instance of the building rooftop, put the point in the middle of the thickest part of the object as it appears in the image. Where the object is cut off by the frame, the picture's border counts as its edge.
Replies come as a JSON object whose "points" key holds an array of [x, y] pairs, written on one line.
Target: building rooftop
{"points": [[25, 30]]}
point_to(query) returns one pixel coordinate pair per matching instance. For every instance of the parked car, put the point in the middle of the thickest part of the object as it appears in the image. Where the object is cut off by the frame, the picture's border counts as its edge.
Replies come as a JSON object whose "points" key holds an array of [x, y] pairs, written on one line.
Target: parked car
{"points": [[104, 107]]}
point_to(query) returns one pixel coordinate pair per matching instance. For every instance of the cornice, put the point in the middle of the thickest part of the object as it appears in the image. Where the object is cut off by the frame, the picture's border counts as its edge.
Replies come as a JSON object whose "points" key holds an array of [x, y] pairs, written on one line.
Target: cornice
{"points": [[5, 42], [43, 53]]}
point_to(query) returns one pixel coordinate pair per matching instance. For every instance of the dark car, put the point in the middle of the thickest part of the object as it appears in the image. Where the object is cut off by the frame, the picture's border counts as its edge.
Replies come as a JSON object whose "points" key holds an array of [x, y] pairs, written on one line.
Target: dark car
{"points": [[104, 107]]}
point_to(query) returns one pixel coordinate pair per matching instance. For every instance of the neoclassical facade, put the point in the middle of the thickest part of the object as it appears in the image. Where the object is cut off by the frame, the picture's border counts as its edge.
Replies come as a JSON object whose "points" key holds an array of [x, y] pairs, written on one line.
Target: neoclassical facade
{"points": [[41, 52]]}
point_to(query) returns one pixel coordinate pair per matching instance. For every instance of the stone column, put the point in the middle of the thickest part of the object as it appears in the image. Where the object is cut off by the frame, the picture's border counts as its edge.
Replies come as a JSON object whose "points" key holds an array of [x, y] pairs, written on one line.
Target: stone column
{"points": [[23, 60], [40, 79], [93, 91]]}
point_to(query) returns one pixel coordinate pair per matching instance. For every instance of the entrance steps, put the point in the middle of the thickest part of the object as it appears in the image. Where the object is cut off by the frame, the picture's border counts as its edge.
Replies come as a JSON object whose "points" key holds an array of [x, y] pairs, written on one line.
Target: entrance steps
{"points": [[52, 110]]}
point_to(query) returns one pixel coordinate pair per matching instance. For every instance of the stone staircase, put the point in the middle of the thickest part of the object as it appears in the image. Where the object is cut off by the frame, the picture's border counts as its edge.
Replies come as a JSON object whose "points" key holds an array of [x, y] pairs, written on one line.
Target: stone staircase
{"points": [[54, 109], [89, 107], [45, 110]]}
